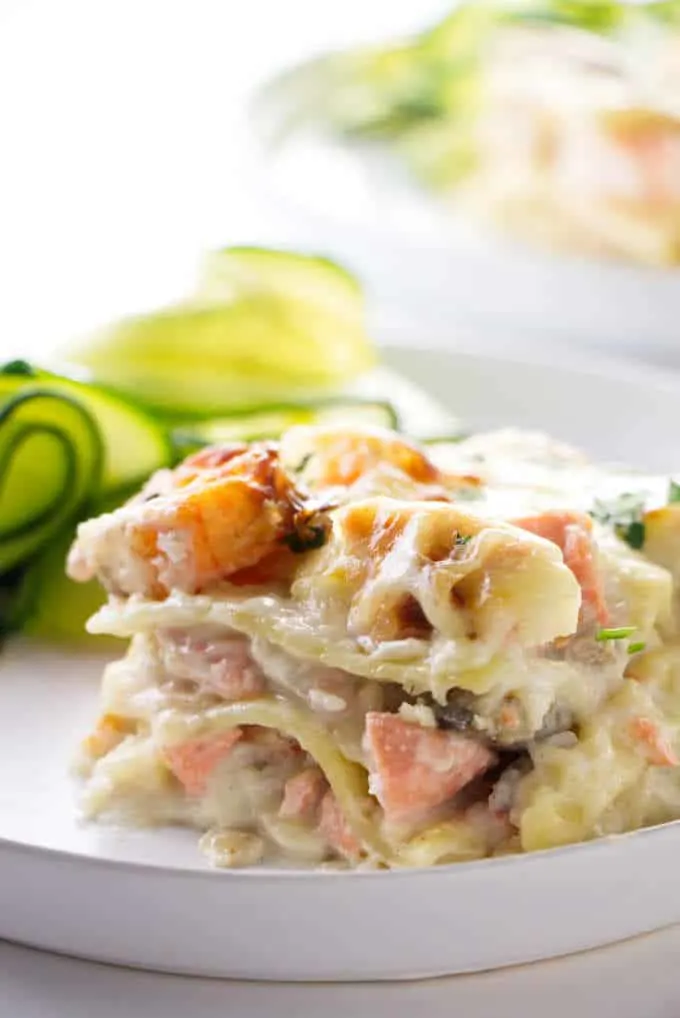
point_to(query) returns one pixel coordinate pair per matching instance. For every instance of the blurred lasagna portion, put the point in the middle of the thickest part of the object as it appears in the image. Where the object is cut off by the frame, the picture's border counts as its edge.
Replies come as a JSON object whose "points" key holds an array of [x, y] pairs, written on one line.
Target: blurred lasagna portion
{"points": [[579, 143], [556, 120], [347, 649]]}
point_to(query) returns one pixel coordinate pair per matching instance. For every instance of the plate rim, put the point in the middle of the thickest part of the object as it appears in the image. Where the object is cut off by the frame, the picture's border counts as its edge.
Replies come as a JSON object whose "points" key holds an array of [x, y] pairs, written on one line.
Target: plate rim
{"points": [[286, 874], [596, 363]]}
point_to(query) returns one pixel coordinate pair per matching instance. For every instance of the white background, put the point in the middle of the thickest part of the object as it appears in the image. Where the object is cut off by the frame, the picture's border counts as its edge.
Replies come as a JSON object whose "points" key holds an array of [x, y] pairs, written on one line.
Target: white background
{"points": [[121, 147]]}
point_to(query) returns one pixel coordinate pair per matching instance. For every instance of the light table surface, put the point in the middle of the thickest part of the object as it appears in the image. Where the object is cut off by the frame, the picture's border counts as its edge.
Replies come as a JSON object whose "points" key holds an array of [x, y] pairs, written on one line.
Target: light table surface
{"points": [[637, 979]]}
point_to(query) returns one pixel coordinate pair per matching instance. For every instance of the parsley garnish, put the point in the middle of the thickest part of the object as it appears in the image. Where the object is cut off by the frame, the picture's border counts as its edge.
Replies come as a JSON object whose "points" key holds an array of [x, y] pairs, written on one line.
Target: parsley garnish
{"points": [[633, 534], [307, 539], [635, 648], [673, 491], [469, 493], [624, 515], [299, 467], [619, 633]]}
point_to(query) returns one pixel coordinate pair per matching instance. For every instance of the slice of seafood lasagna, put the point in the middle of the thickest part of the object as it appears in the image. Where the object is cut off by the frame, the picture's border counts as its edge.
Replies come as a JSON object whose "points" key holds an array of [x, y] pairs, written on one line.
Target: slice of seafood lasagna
{"points": [[347, 649]]}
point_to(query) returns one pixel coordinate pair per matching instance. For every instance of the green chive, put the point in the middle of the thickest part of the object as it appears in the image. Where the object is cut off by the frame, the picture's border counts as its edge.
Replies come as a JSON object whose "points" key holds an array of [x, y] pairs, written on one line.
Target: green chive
{"points": [[614, 634], [634, 648]]}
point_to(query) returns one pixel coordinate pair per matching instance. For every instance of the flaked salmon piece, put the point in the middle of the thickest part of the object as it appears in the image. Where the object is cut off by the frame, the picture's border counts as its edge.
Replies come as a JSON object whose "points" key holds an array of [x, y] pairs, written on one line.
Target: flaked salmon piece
{"points": [[414, 769], [302, 794], [221, 666], [220, 513], [335, 829], [235, 676], [572, 533], [649, 145], [655, 745], [193, 761]]}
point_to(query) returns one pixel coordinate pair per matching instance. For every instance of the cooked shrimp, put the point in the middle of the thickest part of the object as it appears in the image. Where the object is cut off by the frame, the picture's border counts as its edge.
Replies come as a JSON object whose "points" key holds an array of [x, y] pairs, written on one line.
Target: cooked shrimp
{"points": [[219, 513], [341, 457], [242, 512], [337, 458]]}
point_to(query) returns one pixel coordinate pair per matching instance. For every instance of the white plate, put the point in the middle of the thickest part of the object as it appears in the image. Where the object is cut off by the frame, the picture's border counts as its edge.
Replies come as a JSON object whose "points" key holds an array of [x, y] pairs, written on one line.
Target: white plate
{"points": [[145, 898], [369, 213]]}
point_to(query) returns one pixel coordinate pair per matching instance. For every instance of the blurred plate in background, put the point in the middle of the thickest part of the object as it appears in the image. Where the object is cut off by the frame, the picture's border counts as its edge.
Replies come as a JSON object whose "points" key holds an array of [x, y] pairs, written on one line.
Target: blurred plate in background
{"points": [[412, 249], [111, 192]]}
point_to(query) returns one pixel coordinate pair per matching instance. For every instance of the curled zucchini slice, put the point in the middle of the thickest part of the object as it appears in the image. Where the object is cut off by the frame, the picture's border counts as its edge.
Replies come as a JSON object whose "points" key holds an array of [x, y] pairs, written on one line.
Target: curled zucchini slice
{"points": [[270, 421], [134, 443], [262, 325], [51, 457]]}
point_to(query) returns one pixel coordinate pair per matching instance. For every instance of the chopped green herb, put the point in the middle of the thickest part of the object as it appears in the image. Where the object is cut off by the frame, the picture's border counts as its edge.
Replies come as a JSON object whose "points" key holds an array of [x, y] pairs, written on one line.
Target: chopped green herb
{"points": [[469, 493], [311, 530], [673, 491], [462, 539], [624, 515], [633, 534], [299, 467], [635, 648], [458, 436], [312, 538], [620, 633], [623, 509]]}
